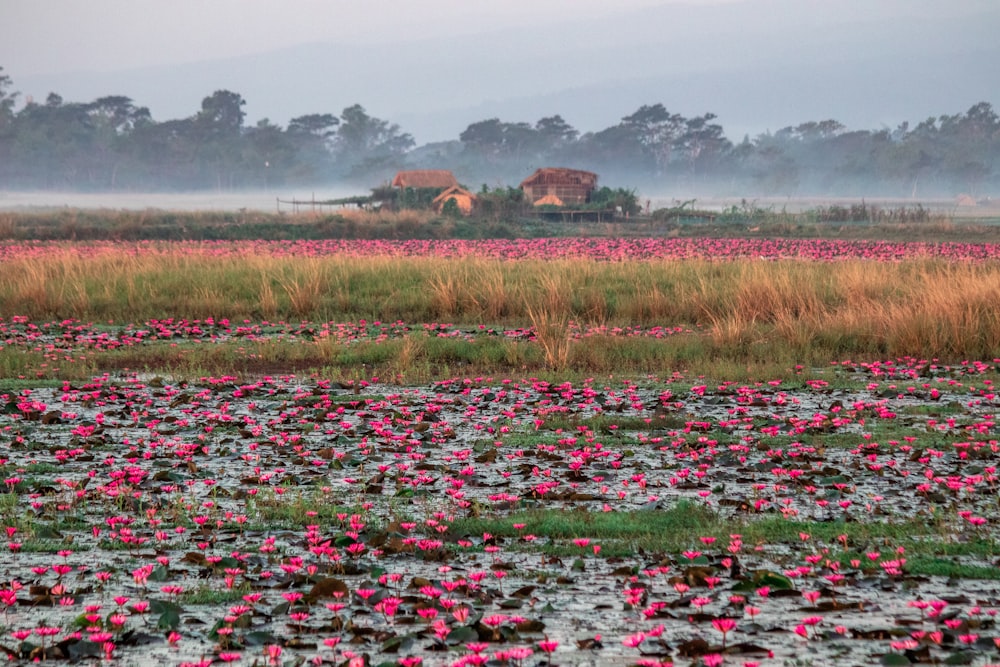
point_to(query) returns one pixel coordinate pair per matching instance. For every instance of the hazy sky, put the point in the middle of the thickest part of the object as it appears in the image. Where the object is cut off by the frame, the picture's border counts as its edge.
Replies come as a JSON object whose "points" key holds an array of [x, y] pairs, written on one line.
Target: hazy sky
{"points": [[45, 36], [435, 66]]}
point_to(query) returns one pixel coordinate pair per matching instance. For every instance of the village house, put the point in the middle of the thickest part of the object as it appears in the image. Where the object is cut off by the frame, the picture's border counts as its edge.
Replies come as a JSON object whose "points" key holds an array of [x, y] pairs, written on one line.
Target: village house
{"points": [[425, 178], [464, 199], [559, 186]]}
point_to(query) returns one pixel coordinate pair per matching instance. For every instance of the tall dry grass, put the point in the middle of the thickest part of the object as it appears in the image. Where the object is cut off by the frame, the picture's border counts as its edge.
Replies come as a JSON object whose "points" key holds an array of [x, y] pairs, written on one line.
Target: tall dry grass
{"points": [[305, 284], [401, 218], [552, 334], [489, 290], [919, 307], [444, 291]]}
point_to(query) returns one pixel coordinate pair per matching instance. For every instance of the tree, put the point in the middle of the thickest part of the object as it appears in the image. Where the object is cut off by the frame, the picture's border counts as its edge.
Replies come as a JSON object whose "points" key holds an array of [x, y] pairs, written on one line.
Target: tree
{"points": [[268, 153], [312, 136], [508, 148], [217, 129], [814, 131], [972, 145], [913, 158], [641, 146], [702, 144], [484, 139], [118, 113], [770, 167], [656, 130], [554, 137], [168, 153], [317, 125], [616, 145], [112, 142], [366, 145], [52, 144], [501, 203], [623, 199], [7, 99], [222, 111], [555, 132], [519, 139], [850, 160], [113, 119]]}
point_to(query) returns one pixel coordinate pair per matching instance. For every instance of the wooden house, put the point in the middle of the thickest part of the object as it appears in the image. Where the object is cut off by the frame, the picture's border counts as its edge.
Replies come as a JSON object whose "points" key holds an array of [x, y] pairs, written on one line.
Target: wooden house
{"points": [[571, 186], [425, 178]]}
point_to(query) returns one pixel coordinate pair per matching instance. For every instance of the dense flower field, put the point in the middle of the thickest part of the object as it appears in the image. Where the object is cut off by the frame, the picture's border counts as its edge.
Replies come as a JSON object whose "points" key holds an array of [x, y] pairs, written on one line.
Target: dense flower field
{"points": [[839, 514], [483, 521], [610, 249], [70, 336]]}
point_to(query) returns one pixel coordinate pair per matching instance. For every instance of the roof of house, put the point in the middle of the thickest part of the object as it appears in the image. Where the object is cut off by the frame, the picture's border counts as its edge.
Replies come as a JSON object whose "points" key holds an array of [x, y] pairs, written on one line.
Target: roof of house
{"points": [[550, 200], [464, 199], [561, 175], [425, 178], [454, 191]]}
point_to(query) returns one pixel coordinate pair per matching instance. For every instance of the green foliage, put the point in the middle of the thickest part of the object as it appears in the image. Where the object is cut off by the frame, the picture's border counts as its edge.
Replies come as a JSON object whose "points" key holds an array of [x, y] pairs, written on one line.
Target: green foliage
{"points": [[451, 209], [864, 212], [366, 146], [501, 203], [619, 199], [111, 143], [416, 198], [7, 100], [747, 212]]}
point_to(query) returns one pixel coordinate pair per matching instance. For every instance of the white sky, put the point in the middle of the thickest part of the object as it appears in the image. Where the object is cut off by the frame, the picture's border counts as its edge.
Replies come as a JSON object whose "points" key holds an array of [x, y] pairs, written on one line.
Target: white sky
{"points": [[46, 36], [758, 64]]}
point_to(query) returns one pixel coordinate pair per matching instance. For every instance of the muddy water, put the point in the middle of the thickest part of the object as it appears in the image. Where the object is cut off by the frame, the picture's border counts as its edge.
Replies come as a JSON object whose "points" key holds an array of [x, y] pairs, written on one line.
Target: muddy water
{"points": [[200, 481]]}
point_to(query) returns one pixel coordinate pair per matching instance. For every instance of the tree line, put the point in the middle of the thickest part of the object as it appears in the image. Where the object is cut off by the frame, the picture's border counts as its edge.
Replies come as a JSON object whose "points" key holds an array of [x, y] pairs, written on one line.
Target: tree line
{"points": [[112, 143]]}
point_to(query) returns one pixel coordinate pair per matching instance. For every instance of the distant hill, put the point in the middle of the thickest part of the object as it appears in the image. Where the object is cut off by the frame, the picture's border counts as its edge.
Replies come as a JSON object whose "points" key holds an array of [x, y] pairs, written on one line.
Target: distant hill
{"points": [[866, 64]]}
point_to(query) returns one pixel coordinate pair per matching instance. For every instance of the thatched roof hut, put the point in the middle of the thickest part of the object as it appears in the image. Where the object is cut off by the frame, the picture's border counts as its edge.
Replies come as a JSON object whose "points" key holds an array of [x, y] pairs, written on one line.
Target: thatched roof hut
{"points": [[549, 200], [463, 199], [571, 186], [425, 178]]}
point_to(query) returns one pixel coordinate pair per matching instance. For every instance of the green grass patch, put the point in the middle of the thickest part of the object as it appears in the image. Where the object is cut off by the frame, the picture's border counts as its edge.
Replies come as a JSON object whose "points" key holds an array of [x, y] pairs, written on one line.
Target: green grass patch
{"points": [[12, 385], [675, 526], [205, 595], [951, 568], [930, 548], [611, 424], [297, 509], [934, 409], [45, 547], [30, 469]]}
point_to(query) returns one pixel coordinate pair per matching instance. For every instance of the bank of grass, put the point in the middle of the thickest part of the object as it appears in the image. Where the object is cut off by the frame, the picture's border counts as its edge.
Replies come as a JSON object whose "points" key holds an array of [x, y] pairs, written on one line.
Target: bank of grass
{"points": [[408, 362], [67, 224], [858, 221], [737, 320], [414, 359]]}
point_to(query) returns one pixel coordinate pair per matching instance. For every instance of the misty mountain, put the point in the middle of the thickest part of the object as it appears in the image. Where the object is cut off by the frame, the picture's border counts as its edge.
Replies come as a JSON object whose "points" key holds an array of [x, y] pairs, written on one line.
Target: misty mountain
{"points": [[758, 65], [768, 100]]}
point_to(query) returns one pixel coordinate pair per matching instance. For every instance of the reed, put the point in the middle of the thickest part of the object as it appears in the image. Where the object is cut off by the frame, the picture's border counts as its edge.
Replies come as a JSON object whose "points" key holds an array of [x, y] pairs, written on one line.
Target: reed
{"points": [[304, 284], [445, 293], [492, 290], [923, 307], [552, 334]]}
